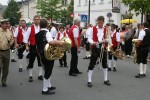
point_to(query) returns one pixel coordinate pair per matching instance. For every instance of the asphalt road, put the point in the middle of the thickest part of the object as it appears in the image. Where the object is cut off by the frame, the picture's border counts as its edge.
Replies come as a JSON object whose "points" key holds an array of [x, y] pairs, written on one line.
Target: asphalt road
{"points": [[124, 85]]}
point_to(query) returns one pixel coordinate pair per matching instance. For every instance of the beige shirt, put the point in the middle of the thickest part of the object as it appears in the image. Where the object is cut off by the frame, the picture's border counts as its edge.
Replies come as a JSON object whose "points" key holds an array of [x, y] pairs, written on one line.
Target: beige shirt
{"points": [[5, 38]]}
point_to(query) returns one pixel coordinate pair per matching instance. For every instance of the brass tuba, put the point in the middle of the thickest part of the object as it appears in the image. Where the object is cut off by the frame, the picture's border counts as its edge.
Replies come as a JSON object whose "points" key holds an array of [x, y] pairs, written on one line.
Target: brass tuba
{"points": [[135, 44], [119, 54], [57, 52]]}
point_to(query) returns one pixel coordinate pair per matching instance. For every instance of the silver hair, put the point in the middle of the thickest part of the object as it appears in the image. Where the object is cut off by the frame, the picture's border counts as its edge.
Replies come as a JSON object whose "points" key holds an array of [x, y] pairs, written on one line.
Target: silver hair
{"points": [[77, 20]]}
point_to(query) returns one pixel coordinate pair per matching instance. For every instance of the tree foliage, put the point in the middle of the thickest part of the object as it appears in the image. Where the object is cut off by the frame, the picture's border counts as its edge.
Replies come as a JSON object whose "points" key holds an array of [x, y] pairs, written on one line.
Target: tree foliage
{"points": [[12, 12], [139, 6], [65, 14], [48, 8], [53, 9]]}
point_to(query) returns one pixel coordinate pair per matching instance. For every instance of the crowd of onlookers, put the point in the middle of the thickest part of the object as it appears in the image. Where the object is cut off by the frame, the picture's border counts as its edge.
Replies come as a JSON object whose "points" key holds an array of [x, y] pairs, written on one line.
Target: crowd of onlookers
{"points": [[127, 33]]}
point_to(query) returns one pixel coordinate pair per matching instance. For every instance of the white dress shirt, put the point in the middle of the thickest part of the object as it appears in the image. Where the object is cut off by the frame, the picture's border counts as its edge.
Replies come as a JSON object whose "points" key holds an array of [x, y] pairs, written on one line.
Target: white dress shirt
{"points": [[141, 35], [53, 32], [23, 31], [88, 31], [48, 35], [76, 32], [117, 35], [28, 32], [100, 35], [61, 35]]}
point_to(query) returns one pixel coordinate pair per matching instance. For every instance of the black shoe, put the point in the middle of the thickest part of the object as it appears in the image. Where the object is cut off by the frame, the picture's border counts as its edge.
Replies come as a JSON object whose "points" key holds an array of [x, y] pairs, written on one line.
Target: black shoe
{"points": [[65, 66], [89, 84], [27, 68], [144, 75], [40, 77], [78, 73], [47, 92], [139, 76], [13, 60], [30, 79], [20, 70], [52, 88], [72, 74], [114, 69], [4, 85], [107, 83], [97, 62], [109, 69], [61, 65]]}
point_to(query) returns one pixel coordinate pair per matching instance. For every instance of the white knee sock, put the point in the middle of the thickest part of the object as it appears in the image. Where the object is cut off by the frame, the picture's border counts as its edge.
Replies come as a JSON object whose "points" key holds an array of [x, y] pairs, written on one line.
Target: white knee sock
{"points": [[105, 74], [109, 63], [144, 68], [141, 68], [115, 62], [27, 60], [20, 61], [49, 82], [40, 70], [45, 85], [30, 72], [13, 56], [88, 54], [90, 72]]}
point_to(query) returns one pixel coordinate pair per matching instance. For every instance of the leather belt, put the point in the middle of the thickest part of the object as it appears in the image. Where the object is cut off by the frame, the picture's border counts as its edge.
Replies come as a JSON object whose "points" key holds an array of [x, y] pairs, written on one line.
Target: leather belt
{"points": [[4, 50]]}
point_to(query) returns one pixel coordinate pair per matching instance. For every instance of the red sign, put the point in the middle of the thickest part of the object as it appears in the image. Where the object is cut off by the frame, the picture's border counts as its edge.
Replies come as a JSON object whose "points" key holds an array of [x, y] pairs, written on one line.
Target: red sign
{"points": [[72, 15]]}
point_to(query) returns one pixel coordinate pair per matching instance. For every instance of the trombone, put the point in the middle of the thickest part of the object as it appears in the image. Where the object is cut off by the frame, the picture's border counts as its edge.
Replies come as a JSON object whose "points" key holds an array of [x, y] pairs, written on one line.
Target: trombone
{"points": [[109, 44]]}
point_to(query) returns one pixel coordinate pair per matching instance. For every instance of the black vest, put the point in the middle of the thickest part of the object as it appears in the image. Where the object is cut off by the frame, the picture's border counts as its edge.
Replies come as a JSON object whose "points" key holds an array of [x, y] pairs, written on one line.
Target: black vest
{"points": [[41, 41], [146, 39]]}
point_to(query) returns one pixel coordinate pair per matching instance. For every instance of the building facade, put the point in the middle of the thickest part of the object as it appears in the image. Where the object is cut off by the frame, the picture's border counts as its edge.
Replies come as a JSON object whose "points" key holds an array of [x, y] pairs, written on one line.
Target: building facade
{"points": [[102, 8], [28, 8]]}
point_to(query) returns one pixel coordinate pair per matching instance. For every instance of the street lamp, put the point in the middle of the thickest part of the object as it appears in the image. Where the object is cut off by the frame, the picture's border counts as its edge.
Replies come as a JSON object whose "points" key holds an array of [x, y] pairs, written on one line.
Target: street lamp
{"points": [[89, 11]]}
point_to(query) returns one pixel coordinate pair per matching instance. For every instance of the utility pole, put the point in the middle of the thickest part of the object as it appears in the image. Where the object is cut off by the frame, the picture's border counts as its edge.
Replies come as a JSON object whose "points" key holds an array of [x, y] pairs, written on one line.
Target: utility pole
{"points": [[28, 9], [89, 11]]}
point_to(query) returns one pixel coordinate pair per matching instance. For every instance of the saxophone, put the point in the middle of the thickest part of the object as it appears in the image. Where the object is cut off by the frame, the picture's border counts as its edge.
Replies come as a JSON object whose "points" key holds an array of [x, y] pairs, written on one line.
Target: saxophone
{"points": [[119, 54], [135, 44], [57, 52]]}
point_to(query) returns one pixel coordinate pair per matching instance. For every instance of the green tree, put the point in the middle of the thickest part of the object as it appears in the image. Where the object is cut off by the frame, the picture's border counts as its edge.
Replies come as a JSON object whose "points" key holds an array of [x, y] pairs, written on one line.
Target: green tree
{"points": [[12, 12], [139, 6], [65, 14], [49, 8]]}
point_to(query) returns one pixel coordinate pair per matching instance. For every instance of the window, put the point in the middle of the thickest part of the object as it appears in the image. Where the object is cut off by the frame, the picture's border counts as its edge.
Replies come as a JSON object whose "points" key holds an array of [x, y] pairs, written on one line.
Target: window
{"points": [[79, 2], [86, 2], [64, 2], [101, 2]]}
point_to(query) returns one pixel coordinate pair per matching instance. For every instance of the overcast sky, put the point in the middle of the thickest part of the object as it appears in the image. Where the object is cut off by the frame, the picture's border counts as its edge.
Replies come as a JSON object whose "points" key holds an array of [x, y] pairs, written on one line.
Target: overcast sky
{"points": [[4, 2]]}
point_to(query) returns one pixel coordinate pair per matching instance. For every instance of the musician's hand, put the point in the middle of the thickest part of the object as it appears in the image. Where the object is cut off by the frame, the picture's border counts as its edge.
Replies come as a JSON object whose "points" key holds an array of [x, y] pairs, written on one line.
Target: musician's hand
{"points": [[10, 44], [105, 41], [27, 48], [62, 43], [95, 43], [16, 45], [117, 50]]}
